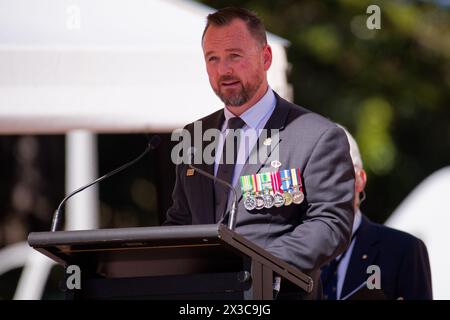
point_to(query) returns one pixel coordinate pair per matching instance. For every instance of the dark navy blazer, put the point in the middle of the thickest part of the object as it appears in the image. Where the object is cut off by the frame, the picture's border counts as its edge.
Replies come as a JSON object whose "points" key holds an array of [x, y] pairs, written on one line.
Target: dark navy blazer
{"points": [[402, 258]]}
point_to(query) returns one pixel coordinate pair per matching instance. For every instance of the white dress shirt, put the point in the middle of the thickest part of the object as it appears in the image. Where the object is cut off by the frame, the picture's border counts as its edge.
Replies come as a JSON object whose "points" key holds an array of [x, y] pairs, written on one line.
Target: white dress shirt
{"points": [[342, 268]]}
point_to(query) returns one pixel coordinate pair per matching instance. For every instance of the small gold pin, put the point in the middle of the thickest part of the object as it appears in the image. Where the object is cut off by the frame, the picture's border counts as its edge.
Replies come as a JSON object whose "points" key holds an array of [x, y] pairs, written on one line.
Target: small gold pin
{"points": [[190, 172], [267, 142], [364, 256]]}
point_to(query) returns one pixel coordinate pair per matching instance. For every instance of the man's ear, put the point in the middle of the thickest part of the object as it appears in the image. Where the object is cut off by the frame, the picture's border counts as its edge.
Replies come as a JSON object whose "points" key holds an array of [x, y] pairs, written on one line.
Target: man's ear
{"points": [[267, 56], [360, 180]]}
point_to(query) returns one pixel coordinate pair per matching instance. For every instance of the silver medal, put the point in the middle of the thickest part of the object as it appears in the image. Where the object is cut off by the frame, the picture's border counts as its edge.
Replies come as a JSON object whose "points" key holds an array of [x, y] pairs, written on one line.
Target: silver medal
{"points": [[278, 199], [269, 200], [249, 202], [260, 203]]}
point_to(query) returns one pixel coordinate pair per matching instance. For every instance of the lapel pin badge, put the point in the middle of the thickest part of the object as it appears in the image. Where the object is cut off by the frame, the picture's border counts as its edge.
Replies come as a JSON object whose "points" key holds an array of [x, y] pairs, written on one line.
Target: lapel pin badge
{"points": [[190, 172], [276, 164]]}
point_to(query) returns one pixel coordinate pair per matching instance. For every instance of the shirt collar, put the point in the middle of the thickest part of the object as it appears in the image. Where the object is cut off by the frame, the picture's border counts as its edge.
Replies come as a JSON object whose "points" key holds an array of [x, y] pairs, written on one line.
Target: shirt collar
{"points": [[357, 221], [254, 115]]}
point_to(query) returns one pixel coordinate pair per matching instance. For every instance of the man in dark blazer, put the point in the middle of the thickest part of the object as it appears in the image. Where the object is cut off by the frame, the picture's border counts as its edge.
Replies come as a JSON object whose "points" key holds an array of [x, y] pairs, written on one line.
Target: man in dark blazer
{"points": [[306, 235], [402, 259]]}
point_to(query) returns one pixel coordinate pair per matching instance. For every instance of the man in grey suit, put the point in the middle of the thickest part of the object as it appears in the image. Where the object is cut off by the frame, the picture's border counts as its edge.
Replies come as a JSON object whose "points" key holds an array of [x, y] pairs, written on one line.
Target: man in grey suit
{"points": [[317, 226]]}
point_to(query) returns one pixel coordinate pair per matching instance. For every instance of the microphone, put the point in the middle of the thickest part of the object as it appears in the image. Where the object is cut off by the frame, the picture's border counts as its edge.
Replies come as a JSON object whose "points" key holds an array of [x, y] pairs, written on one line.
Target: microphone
{"points": [[152, 144], [233, 212]]}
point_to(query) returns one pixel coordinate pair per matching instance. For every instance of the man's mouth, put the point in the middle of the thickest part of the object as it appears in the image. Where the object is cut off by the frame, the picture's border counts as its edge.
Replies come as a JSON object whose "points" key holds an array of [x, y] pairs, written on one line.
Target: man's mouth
{"points": [[229, 83]]}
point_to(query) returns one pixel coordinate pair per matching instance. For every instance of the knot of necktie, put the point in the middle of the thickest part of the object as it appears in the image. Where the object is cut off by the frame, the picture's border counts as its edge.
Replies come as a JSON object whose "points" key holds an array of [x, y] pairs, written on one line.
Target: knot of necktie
{"points": [[235, 123]]}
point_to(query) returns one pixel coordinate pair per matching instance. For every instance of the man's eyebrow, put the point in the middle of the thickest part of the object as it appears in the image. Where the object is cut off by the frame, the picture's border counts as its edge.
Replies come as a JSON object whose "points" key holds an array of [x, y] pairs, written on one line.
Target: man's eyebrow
{"points": [[234, 49], [228, 50]]}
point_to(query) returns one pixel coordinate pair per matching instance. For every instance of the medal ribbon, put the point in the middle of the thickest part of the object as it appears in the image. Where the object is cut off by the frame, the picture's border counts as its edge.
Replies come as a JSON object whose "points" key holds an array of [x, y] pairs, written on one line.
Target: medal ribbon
{"points": [[276, 181], [285, 176], [258, 183], [294, 178], [299, 178], [246, 184], [266, 181]]}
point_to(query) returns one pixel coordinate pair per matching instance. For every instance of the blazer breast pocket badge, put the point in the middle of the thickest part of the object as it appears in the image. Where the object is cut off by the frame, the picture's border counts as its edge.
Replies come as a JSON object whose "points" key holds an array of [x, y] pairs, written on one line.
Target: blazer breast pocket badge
{"points": [[269, 189]]}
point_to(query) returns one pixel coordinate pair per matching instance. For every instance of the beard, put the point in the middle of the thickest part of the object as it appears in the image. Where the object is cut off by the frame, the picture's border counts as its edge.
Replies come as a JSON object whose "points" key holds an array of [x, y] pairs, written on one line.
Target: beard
{"points": [[237, 97]]}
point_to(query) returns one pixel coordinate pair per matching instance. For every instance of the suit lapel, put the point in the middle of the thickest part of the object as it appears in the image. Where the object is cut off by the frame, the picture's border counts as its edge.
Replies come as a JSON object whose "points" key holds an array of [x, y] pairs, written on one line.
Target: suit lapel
{"points": [[207, 185], [364, 254]]}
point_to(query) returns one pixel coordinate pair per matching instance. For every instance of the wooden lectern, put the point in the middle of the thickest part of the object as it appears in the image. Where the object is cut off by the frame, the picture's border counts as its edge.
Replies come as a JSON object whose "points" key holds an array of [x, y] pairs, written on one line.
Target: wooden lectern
{"points": [[173, 262]]}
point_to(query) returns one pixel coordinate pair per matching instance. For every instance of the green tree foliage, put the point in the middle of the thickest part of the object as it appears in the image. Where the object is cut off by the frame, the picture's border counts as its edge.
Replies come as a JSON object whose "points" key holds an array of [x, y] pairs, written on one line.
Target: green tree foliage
{"points": [[390, 87]]}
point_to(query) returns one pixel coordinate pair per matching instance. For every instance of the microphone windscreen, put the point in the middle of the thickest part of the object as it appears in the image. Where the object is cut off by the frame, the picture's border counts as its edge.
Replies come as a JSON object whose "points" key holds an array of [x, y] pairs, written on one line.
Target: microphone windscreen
{"points": [[154, 142]]}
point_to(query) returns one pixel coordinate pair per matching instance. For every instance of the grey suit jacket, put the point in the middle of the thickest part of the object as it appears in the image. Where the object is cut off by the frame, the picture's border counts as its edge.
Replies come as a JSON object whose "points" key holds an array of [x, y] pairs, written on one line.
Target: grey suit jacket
{"points": [[306, 235]]}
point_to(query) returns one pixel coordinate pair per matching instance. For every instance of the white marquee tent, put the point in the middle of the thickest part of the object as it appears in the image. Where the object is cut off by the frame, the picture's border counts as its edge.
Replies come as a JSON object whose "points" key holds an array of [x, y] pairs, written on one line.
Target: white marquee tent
{"points": [[107, 66]]}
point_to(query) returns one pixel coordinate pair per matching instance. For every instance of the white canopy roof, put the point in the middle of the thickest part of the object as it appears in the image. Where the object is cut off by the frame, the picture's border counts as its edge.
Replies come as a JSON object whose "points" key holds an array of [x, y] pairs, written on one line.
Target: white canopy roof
{"points": [[425, 212], [107, 65]]}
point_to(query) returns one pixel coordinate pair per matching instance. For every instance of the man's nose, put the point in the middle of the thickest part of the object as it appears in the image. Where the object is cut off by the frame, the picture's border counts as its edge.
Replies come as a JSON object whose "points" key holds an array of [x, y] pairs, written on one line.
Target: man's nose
{"points": [[225, 68]]}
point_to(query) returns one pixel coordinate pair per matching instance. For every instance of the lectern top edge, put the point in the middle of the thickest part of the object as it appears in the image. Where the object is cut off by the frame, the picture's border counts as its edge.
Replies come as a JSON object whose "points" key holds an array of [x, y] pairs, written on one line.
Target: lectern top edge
{"points": [[120, 235]]}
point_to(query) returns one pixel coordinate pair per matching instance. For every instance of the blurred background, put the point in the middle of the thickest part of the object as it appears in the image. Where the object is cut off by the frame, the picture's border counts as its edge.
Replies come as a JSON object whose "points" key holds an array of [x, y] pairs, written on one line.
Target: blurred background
{"points": [[389, 86]]}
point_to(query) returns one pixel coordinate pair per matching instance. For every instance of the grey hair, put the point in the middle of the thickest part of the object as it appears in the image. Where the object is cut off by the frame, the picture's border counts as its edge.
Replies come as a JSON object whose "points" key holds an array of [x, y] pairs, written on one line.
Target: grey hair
{"points": [[354, 150]]}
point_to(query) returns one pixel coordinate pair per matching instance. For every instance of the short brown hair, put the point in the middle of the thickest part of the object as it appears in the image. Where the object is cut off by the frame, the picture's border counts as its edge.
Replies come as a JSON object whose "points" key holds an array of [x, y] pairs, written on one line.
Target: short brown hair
{"points": [[225, 16]]}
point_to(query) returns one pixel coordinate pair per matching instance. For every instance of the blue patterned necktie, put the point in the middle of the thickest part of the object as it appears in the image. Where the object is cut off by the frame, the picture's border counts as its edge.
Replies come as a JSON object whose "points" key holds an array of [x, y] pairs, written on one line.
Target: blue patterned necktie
{"points": [[329, 280], [329, 273]]}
